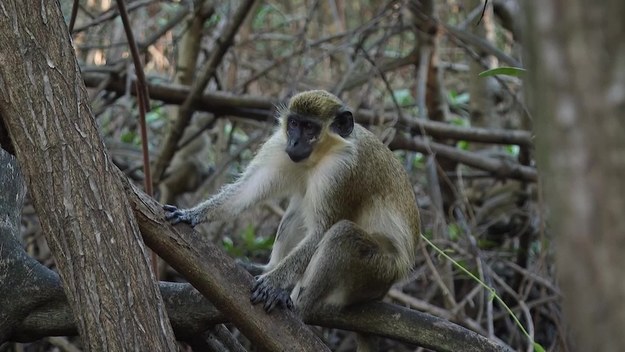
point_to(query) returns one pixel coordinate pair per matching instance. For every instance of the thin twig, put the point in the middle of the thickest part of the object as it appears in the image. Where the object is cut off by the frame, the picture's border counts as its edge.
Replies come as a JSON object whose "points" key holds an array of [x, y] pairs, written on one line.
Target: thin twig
{"points": [[72, 19], [144, 106], [142, 89], [111, 14]]}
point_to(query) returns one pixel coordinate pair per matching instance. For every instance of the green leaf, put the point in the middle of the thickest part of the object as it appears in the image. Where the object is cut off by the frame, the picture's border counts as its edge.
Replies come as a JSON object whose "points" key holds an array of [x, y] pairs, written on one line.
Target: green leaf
{"points": [[403, 97], [492, 293], [249, 236], [512, 150], [153, 116], [459, 121], [418, 161], [538, 347], [263, 243], [129, 137], [261, 15], [454, 231], [463, 145], [427, 233], [230, 248], [456, 99], [227, 242], [504, 70]]}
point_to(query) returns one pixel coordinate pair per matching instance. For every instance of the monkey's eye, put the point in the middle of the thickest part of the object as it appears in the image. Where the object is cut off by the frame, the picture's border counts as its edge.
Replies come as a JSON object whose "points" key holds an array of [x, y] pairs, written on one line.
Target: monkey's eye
{"points": [[293, 123]]}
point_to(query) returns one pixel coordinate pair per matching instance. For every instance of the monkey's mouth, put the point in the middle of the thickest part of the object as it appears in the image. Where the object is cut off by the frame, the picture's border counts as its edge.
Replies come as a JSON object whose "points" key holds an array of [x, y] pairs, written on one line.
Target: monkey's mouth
{"points": [[298, 150], [297, 157]]}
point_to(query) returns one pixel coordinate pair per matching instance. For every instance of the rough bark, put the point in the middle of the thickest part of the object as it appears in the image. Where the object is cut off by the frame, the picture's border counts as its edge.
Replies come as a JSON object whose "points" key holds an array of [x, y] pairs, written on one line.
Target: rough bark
{"points": [[23, 288], [407, 325], [576, 57], [83, 211]]}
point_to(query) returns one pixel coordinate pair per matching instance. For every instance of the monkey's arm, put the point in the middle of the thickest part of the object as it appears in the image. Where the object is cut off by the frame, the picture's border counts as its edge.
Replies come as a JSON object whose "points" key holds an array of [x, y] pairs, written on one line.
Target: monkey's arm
{"points": [[261, 180], [273, 288]]}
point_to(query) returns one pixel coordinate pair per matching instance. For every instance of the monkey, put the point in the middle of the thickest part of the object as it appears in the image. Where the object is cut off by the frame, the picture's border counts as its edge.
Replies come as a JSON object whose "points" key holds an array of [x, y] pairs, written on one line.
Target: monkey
{"points": [[351, 228]]}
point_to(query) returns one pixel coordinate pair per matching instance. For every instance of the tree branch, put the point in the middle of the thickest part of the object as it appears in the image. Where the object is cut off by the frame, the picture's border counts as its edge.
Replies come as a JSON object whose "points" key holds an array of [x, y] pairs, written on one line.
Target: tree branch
{"points": [[498, 167], [411, 326], [218, 278], [261, 109]]}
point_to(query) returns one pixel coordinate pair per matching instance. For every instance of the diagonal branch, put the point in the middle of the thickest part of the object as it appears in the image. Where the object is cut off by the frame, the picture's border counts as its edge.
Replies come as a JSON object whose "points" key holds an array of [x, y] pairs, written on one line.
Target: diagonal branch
{"points": [[218, 278]]}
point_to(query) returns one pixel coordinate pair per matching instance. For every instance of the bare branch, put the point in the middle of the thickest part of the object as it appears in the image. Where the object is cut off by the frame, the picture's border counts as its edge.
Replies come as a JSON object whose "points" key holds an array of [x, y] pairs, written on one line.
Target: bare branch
{"points": [[500, 168], [261, 108]]}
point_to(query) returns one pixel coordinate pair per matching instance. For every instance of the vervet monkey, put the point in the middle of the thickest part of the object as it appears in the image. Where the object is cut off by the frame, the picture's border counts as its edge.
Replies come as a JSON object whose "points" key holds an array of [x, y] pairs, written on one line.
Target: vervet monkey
{"points": [[352, 225]]}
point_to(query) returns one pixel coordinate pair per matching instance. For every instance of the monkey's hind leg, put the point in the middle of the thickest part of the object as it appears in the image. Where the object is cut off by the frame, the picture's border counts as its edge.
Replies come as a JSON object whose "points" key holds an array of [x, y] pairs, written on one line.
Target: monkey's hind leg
{"points": [[350, 266]]}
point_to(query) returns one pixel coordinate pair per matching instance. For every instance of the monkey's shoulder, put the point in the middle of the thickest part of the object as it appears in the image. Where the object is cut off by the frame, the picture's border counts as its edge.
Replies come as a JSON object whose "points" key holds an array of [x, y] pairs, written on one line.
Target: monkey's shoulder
{"points": [[374, 156], [368, 143]]}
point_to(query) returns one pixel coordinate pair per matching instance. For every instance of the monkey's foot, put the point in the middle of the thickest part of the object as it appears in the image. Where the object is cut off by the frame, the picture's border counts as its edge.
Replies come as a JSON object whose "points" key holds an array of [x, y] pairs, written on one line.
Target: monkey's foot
{"points": [[252, 268], [263, 291], [175, 215]]}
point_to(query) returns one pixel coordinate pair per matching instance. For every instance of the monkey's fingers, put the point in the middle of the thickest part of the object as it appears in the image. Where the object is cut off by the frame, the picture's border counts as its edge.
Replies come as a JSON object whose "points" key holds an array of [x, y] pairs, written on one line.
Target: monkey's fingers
{"points": [[175, 215], [260, 290], [257, 283], [263, 291], [271, 302], [258, 296], [278, 297], [172, 214], [170, 208]]}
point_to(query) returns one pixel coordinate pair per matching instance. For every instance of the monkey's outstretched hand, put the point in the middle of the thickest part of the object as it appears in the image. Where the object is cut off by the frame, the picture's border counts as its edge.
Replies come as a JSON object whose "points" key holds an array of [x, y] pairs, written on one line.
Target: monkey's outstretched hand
{"points": [[264, 291], [175, 215]]}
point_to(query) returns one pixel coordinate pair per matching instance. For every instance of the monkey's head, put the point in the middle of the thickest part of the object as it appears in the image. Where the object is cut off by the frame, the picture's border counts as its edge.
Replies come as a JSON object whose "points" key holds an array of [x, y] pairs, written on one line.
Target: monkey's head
{"points": [[314, 117]]}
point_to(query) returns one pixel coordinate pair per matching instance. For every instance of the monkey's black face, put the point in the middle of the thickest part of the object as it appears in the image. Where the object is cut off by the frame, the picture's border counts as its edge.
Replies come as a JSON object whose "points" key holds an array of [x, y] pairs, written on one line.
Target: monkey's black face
{"points": [[302, 134]]}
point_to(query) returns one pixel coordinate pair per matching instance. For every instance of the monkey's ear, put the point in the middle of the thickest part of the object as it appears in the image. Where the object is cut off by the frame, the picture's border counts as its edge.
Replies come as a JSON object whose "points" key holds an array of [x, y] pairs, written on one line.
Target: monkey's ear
{"points": [[343, 123]]}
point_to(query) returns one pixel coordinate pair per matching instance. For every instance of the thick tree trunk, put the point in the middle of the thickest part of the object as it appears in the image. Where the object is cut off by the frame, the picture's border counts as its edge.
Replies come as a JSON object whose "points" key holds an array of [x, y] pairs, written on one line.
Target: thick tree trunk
{"points": [[84, 213], [576, 62]]}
